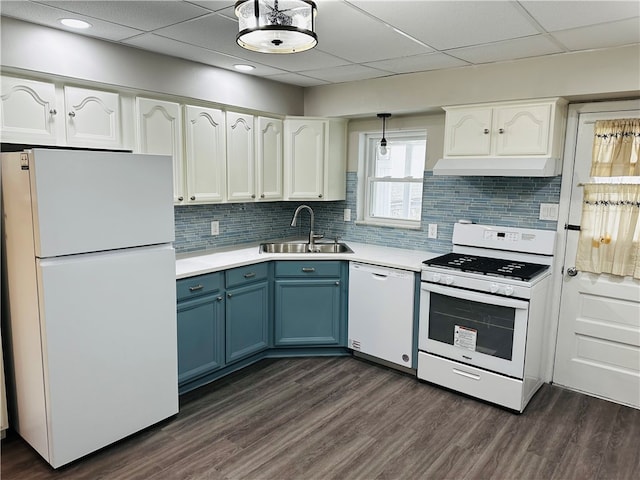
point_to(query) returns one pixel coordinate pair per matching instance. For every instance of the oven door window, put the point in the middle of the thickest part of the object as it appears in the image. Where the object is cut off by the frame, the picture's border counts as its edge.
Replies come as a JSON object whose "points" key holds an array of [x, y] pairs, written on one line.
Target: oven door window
{"points": [[481, 327]]}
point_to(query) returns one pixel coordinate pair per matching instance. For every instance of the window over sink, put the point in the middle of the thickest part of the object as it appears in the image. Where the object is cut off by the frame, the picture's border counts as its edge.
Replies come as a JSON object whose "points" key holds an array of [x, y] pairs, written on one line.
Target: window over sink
{"points": [[390, 183]]}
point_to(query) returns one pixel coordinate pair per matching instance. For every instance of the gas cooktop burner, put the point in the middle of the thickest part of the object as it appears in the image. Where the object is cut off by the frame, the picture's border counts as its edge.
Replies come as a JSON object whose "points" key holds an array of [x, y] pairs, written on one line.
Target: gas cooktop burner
{"points": [[496, 267]]}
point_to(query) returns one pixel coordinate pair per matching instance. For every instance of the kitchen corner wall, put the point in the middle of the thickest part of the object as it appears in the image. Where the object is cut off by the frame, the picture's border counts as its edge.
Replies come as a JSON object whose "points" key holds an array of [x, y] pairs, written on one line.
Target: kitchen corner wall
{"points": [[505, 201]]}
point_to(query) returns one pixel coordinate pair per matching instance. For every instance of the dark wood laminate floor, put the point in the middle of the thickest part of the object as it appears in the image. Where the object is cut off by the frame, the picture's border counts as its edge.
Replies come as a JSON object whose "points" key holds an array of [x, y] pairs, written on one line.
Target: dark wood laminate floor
{"points": [[343, 418]]}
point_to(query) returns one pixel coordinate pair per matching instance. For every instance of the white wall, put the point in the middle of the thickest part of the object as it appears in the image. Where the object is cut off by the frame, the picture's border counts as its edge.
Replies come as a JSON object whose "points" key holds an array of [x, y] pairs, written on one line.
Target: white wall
{"points": [[598, 74], [27, 47]]}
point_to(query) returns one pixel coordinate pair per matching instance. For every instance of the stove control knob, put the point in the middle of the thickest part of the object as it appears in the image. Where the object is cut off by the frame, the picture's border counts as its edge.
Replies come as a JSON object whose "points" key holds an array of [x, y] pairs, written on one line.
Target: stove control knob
{"points": [[493, 287], [508, 290], [448, 280], [436, 277]]}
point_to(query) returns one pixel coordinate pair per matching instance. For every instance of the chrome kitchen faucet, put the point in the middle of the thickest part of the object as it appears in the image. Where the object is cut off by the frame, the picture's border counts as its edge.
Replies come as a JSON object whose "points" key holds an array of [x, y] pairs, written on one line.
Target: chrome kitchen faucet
{"points": [[312, 236]]}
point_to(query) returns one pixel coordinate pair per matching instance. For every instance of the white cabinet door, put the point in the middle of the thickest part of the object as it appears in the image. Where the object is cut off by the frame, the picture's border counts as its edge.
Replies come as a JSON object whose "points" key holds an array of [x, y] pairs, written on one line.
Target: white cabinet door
{"points": [[92, 118], [468, 131], [269, 158], [160, 132], [205, 154], [304, 158], [28, 111], [240, 157], [522, 130]]}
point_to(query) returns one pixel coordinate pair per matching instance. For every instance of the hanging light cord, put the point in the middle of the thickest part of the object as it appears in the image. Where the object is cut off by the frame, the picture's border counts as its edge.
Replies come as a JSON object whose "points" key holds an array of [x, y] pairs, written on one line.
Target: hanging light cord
{"points": [[383, 142]]}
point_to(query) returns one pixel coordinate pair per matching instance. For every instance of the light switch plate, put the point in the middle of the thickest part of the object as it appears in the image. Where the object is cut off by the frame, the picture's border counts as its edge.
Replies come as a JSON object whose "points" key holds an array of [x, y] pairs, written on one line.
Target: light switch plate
{"points": [[433, 230], [215, 228], [548, 211], [347, 214]]}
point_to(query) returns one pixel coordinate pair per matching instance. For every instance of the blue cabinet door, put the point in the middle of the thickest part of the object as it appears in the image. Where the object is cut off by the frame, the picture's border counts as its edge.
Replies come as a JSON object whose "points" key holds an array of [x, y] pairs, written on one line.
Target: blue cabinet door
{"points": [[307, 312], [200, 336], [247, 320]]}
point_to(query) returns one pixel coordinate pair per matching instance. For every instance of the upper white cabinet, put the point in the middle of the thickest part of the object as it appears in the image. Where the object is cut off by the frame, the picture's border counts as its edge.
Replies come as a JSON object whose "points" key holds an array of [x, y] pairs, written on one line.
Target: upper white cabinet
{"points": [[504, 139], [315, 158], [92, 117], [240, 158], [28, 111], [160, 132], [506, 129], [269, 158], [36, 112], [205, 155]]}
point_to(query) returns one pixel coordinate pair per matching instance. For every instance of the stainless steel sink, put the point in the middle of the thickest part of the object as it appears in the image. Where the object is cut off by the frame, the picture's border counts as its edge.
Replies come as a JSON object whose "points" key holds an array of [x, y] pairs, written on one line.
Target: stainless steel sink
{"points": [[288, 247]]}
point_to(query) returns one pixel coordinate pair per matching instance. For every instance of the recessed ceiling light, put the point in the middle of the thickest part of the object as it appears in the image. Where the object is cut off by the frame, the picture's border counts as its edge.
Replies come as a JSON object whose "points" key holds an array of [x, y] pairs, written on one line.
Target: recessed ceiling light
{"points": [[244, 68], [74, 23]]}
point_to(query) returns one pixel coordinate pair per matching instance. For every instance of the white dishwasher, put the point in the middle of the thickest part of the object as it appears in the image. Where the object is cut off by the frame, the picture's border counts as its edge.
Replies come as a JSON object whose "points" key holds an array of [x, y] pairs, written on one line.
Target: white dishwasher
{"points": [[381, 302]]}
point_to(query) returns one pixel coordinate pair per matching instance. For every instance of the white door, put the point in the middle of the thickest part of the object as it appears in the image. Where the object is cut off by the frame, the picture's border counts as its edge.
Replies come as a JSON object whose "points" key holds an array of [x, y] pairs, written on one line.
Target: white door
{"points": [[598, 344], [28, 111], [93, 118], [205, 154], [269, 158], [92, 201], [108, 323], [240, 157], [160, 132]]}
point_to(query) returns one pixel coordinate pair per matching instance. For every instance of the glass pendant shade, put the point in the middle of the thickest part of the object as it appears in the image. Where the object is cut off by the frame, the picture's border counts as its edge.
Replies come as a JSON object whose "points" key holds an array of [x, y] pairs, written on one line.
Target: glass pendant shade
{"points": [[276, 26]]}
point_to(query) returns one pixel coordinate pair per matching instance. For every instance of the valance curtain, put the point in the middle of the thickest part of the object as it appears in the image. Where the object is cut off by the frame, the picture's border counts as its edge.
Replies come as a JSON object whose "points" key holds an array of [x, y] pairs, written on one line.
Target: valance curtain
{"points": [[610, 226]]}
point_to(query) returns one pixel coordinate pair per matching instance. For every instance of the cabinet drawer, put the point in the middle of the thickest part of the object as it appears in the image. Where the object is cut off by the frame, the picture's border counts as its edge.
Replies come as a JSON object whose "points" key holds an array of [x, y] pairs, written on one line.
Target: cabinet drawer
{"points": [[194, 286], [307, 269], [248, 274]]}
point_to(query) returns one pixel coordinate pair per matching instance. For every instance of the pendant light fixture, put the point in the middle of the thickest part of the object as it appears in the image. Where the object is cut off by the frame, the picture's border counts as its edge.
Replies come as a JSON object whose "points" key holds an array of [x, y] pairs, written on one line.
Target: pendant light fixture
{"points": [[382, 149], [272, 26]]}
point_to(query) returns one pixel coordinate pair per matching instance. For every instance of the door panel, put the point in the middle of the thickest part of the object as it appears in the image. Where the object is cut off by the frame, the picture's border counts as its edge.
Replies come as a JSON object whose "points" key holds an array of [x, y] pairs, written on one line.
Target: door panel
{"points": [[598, 344]]}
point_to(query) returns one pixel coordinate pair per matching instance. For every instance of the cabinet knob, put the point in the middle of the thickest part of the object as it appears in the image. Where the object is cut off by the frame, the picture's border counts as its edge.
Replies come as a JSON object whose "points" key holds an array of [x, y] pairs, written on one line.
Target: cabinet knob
{"points": [[193, 197], [72, 114], [501, 130], [53, 111], [229, 295], [180, 199], [219, 299], [486, 131], [337, 283], [253, 195], [320, 196], [262, 196]]}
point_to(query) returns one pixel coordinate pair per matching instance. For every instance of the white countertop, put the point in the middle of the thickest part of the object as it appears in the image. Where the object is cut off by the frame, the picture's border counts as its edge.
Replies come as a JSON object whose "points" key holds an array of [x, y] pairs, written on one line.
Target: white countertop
{"points": [[197, 263]]}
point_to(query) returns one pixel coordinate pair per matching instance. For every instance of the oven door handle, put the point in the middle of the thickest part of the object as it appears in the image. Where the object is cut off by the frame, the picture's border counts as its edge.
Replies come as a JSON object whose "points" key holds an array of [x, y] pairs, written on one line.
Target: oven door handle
{"points": [[475, 296]]}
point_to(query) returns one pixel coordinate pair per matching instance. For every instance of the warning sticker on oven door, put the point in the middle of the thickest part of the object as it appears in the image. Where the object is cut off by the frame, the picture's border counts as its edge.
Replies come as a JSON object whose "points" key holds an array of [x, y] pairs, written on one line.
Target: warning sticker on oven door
{"points": [[464, 337]]}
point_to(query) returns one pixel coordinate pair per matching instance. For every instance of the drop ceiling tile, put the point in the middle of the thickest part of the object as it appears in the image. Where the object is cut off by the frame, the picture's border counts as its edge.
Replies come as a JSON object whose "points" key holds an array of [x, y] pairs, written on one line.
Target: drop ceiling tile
{"points": [[450, 24], [167, 46], [299, 80], [361, 38], [536, 45], [606, 35], [50, 16], [418, 63], [347, 73], [562, 15], [214, 5], [142, 15]]}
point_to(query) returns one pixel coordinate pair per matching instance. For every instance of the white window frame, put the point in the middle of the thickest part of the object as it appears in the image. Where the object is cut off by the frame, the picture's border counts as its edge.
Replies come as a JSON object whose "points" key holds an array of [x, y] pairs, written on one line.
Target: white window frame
{"points": [[368, 143]]}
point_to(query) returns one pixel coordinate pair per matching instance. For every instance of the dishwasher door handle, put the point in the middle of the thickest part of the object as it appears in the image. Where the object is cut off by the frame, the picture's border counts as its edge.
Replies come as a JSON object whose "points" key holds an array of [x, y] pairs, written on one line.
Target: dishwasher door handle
{"points": [[380, 276]]}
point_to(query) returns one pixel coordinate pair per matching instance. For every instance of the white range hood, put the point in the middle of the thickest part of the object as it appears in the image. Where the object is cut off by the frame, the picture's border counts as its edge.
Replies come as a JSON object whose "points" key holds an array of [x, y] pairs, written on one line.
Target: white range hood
{"points": [[498, 166]]}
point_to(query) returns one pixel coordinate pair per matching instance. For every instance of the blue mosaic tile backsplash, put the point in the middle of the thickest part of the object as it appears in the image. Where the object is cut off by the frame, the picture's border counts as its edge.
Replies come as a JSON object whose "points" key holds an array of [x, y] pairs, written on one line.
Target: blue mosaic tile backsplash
{"points": [[505, 201]]}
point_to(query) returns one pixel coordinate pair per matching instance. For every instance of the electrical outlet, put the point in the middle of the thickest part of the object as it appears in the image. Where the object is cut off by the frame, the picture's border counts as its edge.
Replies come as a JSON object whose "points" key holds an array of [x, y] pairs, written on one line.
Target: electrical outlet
{"points": [[548, 211], [347, 214], [215, 228], [433, 230]]}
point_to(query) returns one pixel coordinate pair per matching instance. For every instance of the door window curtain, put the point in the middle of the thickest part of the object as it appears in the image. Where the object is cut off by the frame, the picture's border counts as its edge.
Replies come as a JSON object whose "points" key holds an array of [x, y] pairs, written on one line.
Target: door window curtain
{"points": [[610, 226]]}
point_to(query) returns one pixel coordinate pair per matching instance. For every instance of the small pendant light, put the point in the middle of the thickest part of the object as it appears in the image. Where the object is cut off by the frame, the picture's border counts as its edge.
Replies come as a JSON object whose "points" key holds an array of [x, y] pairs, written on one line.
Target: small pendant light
{"points": [[382, 149]]}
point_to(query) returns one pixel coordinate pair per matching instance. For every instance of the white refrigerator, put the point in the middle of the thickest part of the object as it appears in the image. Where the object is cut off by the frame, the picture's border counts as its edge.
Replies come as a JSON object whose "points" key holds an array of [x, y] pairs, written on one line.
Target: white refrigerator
{"points": [[91, 288]]}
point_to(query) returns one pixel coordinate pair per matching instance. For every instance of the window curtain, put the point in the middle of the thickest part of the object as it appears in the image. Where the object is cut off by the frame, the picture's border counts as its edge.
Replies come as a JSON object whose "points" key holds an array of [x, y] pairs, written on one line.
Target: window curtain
{"points": [[610, 227]]}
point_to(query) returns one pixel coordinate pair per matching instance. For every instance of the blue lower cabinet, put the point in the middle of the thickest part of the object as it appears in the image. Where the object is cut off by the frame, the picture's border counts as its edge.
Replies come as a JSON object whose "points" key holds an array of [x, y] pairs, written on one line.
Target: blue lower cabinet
{"points": [[247, 320], [310, 303], [200, 336]]}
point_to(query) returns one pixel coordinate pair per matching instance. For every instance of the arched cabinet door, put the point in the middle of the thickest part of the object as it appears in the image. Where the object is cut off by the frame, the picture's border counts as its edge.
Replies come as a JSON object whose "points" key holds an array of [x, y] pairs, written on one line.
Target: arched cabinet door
{"points": [[269, 158], [92, 118], [240, 158], [28, 111]]}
